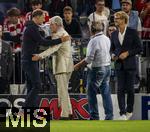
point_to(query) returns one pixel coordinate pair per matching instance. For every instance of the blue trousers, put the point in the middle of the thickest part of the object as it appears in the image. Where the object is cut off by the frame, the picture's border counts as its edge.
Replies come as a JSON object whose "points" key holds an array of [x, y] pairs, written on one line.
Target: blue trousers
{"points": [[98, 79]]}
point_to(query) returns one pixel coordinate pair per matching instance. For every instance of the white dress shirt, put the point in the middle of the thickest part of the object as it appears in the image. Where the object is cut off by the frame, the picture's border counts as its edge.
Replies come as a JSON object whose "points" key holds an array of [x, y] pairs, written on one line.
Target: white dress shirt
{"points": [[121, 36], [98, 51]]}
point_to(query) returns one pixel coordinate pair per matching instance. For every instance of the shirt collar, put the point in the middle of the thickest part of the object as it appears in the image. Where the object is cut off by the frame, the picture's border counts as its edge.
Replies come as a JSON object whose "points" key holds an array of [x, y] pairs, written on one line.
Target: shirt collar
{"points": [[124, 31], [97, 34]]}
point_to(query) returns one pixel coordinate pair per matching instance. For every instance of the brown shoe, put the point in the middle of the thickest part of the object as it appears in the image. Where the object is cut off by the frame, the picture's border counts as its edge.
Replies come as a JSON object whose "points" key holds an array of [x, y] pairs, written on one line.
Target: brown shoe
{"points": [[71, 117]]}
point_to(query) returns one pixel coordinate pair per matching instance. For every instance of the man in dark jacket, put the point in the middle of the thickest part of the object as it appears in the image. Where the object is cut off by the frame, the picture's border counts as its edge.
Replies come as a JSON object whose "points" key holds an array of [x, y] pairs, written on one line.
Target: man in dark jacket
{"points": [[126, 45], [31, 42], [5, 64]]}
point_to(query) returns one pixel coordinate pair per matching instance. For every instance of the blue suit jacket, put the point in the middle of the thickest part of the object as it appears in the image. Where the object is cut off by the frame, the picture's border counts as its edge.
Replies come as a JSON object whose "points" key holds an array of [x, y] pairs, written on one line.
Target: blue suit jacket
{"points": [[131, 43]]}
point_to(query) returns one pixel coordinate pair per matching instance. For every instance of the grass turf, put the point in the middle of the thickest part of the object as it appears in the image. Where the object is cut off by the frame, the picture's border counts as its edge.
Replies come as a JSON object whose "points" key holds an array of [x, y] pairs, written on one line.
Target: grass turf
{"points": [[100, 126]]}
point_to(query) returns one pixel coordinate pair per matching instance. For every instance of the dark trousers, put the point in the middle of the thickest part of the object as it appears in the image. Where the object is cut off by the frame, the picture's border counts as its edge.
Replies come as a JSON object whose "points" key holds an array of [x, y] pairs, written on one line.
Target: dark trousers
{"points": [[4, 89], [126, 80], [17, 73], [4, 86], [33, 83]]}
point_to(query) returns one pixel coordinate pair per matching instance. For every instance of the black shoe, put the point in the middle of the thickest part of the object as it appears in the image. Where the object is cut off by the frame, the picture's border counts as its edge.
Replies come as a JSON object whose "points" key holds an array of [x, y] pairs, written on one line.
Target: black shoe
{"points": [[64, 118], [71, 117], [93, 119]]}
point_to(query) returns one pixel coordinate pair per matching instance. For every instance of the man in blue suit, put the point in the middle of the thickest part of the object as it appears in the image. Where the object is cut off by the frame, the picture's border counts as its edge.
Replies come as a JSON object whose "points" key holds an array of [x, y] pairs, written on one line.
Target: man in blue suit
{"points": [[126, 45]]}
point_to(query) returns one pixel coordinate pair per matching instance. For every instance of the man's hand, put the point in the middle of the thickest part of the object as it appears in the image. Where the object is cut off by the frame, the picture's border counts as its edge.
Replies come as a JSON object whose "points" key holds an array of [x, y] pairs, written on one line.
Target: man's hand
{"points": [[65, 38], [36, 58], [76, 67], [114, 57], [124, 55]]}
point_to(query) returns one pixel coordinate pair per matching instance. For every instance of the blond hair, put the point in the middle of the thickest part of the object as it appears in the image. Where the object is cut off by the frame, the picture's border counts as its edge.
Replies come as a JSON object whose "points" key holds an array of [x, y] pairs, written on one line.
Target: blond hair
{"points": [[122, 15]]}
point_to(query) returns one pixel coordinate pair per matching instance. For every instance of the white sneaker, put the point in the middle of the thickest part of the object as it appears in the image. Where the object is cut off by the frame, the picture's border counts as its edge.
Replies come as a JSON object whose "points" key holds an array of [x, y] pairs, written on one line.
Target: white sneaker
{"points": [[129, 115], [122, 117]]}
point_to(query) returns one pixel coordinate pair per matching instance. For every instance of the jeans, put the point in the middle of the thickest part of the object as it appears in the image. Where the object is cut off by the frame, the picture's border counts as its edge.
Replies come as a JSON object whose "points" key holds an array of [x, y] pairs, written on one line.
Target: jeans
{"points": [[33, 83], [98, 79]]}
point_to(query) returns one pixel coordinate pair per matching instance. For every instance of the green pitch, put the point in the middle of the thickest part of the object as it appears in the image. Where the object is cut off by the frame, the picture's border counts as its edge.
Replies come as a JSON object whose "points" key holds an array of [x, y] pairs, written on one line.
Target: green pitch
{"points": [[100, 126]]}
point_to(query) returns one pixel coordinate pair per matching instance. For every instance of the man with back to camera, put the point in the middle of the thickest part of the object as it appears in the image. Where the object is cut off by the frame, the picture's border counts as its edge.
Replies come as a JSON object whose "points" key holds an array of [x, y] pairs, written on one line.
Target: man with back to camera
{"points": [[31, 42], [98, 55]]}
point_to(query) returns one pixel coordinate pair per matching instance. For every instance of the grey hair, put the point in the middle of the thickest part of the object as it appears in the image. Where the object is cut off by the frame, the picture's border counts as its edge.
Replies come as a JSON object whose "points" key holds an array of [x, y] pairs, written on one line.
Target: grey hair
{"points": [[97, 26], [57, 20]]}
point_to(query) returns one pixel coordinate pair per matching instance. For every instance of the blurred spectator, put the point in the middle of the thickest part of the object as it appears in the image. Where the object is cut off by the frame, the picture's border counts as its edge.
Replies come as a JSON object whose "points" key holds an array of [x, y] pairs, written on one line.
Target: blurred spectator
{"points": [[101, 14], [108, 3], [5, 65], [113, 4], [12, 31], [111, 29], [71, 25], [37, 4], [139, 4], [145, 16], [13, 26], [85, 7], [134, 20], [116, 5], [1, 18], [56, 7], [4, 6]]}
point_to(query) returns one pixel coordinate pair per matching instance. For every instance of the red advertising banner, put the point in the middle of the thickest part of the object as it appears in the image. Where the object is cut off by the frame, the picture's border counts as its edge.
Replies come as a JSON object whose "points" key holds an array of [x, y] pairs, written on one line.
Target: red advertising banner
{"points": [[79, 104]]}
